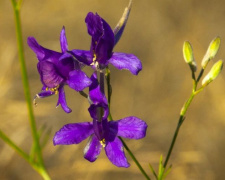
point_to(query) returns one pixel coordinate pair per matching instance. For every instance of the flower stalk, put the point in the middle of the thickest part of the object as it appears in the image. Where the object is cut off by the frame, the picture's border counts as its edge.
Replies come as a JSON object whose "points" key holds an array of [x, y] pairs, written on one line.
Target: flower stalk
{"points": [[39, 164], [109, 89]]}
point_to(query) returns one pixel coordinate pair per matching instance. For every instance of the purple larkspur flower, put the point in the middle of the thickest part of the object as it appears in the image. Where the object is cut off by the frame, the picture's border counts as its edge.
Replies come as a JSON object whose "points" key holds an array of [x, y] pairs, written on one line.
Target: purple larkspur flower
{"points": [[103, 41], [57, 69], [103, 133]]}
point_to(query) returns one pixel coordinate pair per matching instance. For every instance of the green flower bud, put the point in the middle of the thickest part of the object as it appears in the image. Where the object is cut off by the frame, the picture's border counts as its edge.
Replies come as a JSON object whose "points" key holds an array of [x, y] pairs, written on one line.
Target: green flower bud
{"points": [[188, 56], [213, 73], [211, 51]]}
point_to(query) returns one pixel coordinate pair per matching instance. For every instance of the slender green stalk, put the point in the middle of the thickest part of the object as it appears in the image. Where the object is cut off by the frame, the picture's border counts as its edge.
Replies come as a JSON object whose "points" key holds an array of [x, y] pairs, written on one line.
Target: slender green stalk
{"points": [[135, 160], [183, 113], [14, 146], [16, 8], [109, 88]]}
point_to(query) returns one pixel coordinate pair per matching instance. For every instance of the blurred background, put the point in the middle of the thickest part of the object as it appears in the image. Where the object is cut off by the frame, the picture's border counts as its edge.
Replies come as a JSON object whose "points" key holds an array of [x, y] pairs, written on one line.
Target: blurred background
{"points": [[155, 33]]}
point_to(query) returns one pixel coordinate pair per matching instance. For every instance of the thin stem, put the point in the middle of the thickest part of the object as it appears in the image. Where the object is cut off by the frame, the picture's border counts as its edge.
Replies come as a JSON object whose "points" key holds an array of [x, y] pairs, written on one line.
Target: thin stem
{"points": [[110, 119], [200, 75], [14, 146], [180, 122], [135, 160], [35, 136], [82, 93]]}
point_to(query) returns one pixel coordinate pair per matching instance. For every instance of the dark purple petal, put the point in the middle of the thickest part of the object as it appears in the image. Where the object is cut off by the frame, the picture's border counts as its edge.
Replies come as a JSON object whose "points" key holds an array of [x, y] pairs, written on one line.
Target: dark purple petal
{"points": [[66, 64], [38, 50], [62, 100], [92, 149], [73, 133], [94, 26], [43, 53], [49, 74], [129, 127], [95, 93], [78, 80], [63, 40], [83, 56], [99, 110], [126, 61], [118, 31], [102, 37], [44, 94], [115, 153], [105, 44]]}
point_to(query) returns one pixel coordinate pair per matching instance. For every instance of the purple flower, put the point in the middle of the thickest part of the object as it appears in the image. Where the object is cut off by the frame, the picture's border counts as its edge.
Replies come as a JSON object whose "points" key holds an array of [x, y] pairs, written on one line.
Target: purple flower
{"points": [[103, 133], [57, 69], [102, 44]]}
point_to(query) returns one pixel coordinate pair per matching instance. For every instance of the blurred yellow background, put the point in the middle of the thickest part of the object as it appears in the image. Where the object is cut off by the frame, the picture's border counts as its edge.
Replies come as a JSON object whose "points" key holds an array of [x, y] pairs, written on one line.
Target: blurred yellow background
{"points": [[155, 33]]}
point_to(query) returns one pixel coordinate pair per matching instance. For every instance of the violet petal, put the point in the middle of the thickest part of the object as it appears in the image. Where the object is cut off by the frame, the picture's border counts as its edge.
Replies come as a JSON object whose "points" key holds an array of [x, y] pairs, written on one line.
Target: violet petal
{"points": [[126, 61], [115, 153], [63, 40], [38, 50], [73, 133], [83, 56], [95, 93], [92, 149], [62, 100], [49, 74], [78, 80], [130, 127]]}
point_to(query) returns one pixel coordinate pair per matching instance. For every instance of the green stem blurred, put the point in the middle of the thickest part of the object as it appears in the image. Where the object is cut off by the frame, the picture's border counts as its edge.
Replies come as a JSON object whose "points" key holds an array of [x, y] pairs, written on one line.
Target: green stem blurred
{"points": [[109, 88], [40, 163], [15, 147], [183, 113]]}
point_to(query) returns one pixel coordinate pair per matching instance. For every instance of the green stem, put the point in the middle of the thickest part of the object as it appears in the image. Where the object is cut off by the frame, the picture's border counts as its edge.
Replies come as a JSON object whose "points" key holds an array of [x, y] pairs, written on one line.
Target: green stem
{"points": [[180, 122], [109, 88], [183, 113], [35, 136], [135, 160], [14, 146]]}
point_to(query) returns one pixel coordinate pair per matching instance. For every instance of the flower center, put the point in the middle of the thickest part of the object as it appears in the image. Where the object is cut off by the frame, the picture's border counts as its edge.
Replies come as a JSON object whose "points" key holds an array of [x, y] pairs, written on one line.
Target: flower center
{"points": [[95, 63], [102, 142], [54, 90]]}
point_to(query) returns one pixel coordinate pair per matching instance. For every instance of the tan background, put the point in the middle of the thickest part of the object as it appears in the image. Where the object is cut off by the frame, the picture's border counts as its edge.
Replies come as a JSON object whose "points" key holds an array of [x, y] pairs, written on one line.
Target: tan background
{"points": [[155, 33]]}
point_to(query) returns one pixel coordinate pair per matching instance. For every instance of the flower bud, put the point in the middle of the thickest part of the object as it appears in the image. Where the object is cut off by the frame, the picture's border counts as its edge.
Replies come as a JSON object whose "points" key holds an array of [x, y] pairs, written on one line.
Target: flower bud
{"points": [[213, 73], [188, 56], [211, 51]]}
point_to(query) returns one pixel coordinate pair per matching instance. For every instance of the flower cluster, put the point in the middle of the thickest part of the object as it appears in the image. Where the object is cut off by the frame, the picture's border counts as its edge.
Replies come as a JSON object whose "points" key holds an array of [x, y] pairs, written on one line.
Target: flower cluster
{"points": [[58, 69]]}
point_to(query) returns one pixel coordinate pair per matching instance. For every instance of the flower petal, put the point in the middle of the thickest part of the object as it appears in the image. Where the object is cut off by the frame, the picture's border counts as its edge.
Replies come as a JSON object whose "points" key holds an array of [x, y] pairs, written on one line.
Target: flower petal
{"points": [[62, 100], [118, 31], [83, 56], [63, 40], [43, 53], [78, 80], [96, 109], [92, 149], [73, 133], [95, 93], [49, 74], [38, 50], [126, 61], [115, 153], [66, 64], [102, 37], [129, 127], [44, 94]]}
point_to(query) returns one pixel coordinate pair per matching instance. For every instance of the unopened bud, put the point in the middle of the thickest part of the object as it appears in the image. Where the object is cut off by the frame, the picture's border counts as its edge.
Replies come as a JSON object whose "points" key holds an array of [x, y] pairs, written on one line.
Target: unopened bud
{"points": [[188, 56], [211, 51], [213, 73]]}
